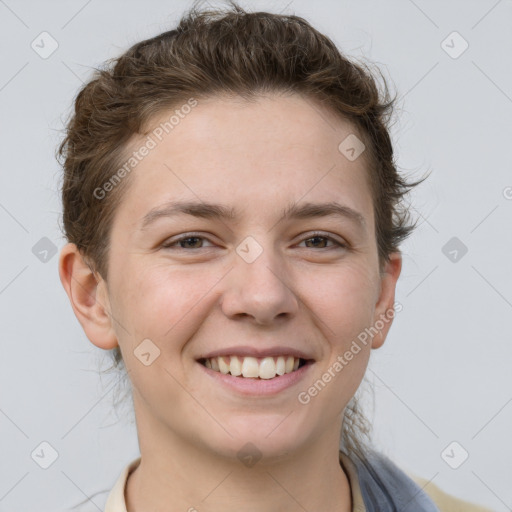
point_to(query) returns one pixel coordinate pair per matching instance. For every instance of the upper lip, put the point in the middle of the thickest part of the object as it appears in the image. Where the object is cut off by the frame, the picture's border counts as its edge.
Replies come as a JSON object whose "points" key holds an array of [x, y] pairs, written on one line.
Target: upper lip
{"points": [[246, 351]]}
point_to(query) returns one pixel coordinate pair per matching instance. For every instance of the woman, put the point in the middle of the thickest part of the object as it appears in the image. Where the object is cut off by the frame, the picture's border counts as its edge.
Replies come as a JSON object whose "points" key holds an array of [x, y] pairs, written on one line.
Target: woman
{"points": [[234, 219]]}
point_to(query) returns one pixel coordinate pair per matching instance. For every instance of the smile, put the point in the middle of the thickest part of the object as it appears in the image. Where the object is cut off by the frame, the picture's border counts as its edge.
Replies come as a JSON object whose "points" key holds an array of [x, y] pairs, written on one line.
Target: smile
{"points": [[253, 367]]}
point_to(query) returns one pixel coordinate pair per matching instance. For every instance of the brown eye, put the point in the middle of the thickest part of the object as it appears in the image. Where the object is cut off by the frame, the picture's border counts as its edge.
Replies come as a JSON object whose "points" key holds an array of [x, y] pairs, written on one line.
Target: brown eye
{"points": [[194, 241], [186, 242], [320, 241]]}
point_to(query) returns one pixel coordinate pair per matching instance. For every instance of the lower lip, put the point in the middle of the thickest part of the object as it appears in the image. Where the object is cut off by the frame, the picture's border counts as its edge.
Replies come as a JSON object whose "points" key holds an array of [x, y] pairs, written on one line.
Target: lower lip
{"points": [[255, 387]]}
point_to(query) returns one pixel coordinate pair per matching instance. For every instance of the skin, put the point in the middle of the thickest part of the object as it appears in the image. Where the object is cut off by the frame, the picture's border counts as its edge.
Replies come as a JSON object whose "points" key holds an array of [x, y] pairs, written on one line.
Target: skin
{"points": [[301, 292]]}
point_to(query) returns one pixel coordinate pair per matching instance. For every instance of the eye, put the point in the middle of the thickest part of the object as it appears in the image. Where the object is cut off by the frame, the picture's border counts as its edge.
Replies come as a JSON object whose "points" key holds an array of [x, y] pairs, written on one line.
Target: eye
{"points": [[322, 239], [190, 241], [195, 241]]}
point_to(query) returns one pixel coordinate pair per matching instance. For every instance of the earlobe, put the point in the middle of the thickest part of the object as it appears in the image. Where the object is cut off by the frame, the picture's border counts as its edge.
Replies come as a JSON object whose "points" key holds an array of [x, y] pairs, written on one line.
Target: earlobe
{"points": [[88, 297], [384, 309]]}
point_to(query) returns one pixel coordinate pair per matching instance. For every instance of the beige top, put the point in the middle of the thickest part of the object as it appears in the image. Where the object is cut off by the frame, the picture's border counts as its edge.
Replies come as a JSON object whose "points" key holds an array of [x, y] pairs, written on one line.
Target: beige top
{"points": [[446, 503]]}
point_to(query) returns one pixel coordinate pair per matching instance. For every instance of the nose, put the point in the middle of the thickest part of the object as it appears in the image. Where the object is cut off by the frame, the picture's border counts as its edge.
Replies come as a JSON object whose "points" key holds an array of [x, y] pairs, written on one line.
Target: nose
{"points": [[260, 291]]}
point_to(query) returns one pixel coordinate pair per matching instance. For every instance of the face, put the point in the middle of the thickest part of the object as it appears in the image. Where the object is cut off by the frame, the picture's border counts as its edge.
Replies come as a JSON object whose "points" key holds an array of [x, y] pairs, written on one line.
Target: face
{"points": [[242, 264]]}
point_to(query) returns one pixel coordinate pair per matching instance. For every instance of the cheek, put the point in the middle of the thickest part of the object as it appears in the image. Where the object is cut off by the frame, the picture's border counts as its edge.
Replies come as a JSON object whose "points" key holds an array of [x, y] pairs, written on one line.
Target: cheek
{"points": [[166, 305], [343, 305], [344, 301], [163, 302]]}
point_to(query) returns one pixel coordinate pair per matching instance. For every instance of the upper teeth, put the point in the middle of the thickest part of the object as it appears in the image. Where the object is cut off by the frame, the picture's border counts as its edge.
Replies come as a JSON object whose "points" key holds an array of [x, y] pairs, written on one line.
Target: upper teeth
{"points": [[265, 368]]}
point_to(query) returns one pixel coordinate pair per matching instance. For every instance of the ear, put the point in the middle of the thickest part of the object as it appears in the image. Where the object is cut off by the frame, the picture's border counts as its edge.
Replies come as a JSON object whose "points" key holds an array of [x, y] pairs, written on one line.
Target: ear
{"points": [[384, 308], [88, 296]]}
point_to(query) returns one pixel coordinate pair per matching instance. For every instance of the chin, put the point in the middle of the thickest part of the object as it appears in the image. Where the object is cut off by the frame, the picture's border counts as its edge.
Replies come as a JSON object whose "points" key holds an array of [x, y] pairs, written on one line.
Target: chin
{"points": [[267, 437]]}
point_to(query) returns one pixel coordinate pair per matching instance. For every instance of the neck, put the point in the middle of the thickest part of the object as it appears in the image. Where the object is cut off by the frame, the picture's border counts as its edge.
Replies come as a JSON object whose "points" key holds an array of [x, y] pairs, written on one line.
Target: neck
{"points": [[177, 475]]}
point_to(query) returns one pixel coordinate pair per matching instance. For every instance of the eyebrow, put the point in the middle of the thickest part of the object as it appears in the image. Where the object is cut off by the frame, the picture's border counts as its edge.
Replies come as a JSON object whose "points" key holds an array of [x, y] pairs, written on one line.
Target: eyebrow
{"points": [[305, 210]]}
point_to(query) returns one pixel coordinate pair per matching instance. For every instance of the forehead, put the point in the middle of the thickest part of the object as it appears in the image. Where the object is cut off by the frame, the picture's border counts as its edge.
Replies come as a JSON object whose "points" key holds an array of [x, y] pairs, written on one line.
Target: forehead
{"points": [[269, 150], [255, 127]]}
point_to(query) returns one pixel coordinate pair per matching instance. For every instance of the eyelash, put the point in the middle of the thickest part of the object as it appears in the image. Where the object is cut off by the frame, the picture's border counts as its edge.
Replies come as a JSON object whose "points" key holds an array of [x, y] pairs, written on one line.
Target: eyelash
{"points": [[339, 245]]}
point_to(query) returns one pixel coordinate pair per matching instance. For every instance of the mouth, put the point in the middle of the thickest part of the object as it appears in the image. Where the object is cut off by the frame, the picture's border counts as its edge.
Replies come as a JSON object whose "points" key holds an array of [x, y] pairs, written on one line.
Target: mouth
{"points": [[255, 368]]}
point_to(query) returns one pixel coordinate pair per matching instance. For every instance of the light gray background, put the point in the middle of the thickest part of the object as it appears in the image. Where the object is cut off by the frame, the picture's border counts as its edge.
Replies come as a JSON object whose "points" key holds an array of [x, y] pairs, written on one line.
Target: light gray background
{"points": [[444, 373]]}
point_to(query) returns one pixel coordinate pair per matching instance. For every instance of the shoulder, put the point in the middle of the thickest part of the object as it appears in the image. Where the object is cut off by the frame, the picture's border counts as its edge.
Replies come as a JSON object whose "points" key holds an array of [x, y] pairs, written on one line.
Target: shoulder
{"points": [[446, 502], [388, 487], [109, 500]]}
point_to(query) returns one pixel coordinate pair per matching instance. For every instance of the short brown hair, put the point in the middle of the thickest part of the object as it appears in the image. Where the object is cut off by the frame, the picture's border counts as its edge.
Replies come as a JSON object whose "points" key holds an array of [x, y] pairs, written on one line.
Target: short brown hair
{"points": [[216, 52]]}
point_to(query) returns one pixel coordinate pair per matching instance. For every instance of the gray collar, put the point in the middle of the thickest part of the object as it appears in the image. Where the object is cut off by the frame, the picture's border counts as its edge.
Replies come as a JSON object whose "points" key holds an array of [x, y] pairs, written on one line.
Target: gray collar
{"points": [[386, 488]]}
